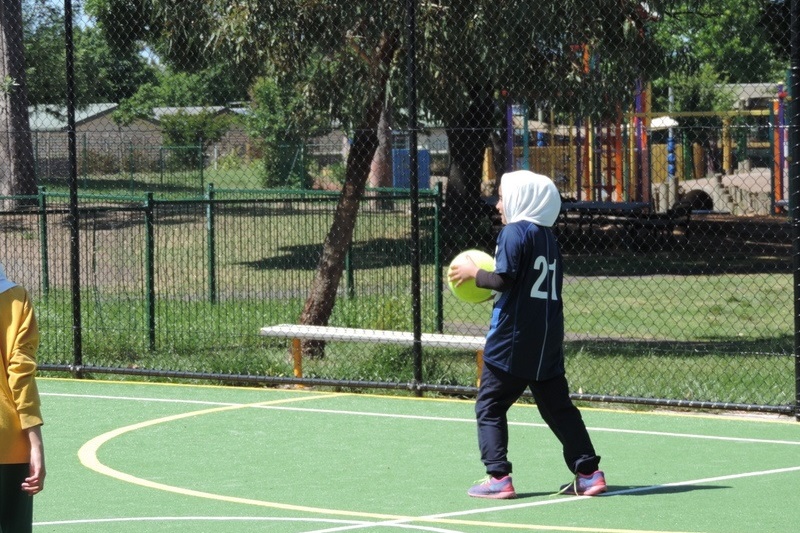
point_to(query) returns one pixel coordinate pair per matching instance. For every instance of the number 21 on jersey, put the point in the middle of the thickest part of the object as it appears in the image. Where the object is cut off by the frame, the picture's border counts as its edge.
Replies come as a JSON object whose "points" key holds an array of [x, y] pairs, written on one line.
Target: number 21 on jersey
{"points": [[540, 289]]}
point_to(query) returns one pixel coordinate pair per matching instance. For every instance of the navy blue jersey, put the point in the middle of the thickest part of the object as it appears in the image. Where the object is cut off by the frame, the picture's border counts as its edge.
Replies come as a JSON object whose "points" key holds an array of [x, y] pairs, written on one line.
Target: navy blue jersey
{"points": [[526, 333]]}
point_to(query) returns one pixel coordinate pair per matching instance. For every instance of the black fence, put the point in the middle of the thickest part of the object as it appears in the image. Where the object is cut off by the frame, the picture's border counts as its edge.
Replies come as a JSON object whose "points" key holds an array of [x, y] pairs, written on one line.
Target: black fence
{"points": [[352, 150]]}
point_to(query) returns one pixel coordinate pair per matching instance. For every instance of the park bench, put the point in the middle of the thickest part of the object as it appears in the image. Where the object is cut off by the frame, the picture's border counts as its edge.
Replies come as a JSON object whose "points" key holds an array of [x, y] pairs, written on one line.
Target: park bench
{"points": [[297, 333]]}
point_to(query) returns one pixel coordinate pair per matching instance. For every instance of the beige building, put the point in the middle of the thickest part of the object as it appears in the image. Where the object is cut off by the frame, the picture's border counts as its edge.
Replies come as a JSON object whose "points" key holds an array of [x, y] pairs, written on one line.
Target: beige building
{"points": [[106, 147]]}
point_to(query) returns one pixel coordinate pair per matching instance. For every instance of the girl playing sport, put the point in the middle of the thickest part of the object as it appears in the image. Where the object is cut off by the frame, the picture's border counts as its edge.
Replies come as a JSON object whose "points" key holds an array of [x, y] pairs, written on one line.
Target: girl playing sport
{"points": [[524, 345]]}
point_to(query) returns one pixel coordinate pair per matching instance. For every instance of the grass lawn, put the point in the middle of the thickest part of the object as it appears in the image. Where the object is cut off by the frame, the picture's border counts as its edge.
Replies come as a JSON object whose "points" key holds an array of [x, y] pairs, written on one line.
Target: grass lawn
{"points": [[655, 325]]}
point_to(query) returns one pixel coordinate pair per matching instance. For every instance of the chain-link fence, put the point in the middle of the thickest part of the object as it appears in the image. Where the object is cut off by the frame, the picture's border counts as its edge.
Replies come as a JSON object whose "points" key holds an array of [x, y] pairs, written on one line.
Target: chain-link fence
{"points": [[218, 167]]}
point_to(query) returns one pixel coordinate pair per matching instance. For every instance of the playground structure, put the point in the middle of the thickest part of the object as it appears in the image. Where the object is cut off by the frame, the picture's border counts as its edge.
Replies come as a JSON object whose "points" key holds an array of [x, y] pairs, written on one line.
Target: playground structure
{"points": [[737, 158]]}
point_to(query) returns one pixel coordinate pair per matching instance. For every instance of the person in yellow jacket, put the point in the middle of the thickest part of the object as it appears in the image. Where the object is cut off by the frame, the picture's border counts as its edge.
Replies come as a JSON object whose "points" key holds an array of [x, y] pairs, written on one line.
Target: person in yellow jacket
{"points": [[22, 468]]}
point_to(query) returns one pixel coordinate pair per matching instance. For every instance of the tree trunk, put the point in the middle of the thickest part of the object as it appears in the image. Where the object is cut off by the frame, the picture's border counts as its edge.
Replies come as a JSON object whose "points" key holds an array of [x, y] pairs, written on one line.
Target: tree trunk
{"points": [[380, 173], [17, 176], [468, 136], [322, 297]]}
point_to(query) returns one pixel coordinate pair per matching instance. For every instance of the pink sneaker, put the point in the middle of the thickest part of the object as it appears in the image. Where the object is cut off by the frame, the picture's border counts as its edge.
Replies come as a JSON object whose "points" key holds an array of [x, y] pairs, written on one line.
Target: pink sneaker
{"points": [[584, 485], [494, 488]]}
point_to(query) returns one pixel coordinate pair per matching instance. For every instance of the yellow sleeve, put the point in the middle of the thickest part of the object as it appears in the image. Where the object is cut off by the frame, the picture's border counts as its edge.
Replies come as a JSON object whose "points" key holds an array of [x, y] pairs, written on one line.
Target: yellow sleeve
{"points": [[22, 364]]}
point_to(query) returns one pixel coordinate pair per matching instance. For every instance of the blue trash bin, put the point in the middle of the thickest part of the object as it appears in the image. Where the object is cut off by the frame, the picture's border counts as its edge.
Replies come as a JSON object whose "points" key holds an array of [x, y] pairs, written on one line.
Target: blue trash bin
{"points": [[401, 169]]}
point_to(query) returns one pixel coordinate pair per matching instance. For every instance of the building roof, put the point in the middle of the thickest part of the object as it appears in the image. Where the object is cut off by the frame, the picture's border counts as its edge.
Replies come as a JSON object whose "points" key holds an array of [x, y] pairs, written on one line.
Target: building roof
{"points": [[54, 117], [749, 95], [159, 112]]}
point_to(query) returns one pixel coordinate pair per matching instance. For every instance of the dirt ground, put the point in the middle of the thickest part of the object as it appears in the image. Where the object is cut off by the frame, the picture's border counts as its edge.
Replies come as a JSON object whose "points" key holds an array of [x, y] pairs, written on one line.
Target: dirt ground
{"points": [[762, 234], [711, 244]]}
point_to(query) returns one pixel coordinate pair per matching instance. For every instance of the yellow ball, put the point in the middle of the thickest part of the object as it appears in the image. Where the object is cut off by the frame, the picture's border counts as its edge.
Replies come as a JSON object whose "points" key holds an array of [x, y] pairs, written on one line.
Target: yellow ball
{"points": [[467, 291]]}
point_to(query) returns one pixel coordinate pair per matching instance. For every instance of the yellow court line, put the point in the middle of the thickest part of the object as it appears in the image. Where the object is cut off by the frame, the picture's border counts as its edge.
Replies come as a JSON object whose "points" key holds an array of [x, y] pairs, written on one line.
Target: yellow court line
{"points": [[88, 457]]}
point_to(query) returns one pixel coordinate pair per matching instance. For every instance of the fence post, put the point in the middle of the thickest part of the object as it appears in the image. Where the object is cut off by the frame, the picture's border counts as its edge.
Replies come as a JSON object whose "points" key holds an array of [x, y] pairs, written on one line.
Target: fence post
{"points": [[348, 271], [43, 242], [212, 245], [794, 185], [85, 160], [74, 211], [149, 258], [437, 259], [36, 154], [688, 157], [131, 165], [201, 164], [413, 161]]}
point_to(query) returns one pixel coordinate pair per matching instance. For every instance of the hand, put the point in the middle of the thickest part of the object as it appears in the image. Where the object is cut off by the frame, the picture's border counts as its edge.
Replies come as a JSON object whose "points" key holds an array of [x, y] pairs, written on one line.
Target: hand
{"points": [[34, 483], [461, 272]]}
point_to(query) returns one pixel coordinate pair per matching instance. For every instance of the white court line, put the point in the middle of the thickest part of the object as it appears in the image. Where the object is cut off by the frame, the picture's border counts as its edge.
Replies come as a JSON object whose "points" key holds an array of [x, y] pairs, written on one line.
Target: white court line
{"points": [[233, 519], [531, 424], [442, 517], [419, 417]]}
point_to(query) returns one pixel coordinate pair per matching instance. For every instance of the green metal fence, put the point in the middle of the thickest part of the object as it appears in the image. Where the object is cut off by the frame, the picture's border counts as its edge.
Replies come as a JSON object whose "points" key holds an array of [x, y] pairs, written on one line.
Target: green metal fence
{"points": [[181, 288], [123, 167]]}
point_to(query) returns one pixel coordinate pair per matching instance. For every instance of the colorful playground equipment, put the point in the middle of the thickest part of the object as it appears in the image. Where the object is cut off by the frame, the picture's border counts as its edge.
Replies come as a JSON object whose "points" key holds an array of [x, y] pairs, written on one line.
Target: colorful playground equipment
{"points": [[644, 156]]}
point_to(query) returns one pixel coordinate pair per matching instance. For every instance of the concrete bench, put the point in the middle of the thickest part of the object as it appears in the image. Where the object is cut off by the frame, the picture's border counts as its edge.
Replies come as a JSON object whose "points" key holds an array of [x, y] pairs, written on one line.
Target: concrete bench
{"points": [[297, 333]]}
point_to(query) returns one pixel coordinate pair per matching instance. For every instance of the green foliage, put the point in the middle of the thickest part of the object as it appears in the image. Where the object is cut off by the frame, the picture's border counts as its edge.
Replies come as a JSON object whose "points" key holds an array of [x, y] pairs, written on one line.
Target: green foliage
{"points": [[188, 130], [126, 20], [43, 32], [697, 91], [702, 90], [194, 129], [325, 53], [168, 90], [732, 39], [336, 172], [269, 118], [231, 161], [172, 89], [7, 85], [775, 21], [176, 31], [273, 120], [103, 72]]}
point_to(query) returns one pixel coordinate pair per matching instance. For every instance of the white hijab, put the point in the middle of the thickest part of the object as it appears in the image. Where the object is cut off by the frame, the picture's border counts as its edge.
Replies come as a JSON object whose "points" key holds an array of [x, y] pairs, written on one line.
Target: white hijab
{"points": [[5, 283], [530, 196]]}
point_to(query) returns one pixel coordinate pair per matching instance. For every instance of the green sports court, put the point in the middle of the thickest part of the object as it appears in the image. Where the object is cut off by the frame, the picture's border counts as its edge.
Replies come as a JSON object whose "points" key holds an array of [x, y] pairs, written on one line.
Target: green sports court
{"points": [[126, 456], [185, 177]]}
